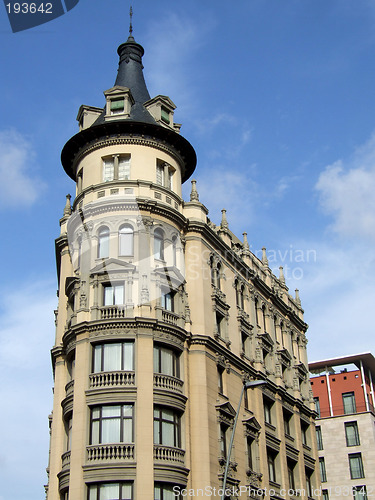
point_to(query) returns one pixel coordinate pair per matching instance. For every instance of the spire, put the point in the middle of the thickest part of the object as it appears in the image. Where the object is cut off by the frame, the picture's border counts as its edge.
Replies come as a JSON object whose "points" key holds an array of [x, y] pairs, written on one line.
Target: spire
{"points": [[245, 245], [130, 70], [194, 196], [298, 300]]}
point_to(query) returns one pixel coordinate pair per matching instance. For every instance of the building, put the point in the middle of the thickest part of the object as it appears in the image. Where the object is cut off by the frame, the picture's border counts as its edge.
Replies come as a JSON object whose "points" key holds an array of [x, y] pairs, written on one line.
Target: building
{"points": [[345, 427], [162, 318]]}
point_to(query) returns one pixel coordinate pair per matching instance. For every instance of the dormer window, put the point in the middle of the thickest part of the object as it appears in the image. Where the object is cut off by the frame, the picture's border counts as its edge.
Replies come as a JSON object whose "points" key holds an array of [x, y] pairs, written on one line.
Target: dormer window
{"points": [[117, 106], [119, 103], [165, 115]]}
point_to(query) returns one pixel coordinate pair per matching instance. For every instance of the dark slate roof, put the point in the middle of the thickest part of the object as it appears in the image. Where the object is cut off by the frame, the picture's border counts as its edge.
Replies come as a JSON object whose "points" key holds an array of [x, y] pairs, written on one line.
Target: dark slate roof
{"points": [[130, 74]]}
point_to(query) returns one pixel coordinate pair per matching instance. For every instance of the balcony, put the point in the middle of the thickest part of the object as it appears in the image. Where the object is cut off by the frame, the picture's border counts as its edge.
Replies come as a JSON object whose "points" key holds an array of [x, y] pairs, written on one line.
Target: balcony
{"points": [[112, 312], [170, 317], [69, 388], [110, 452], [169, 454], [65, 460], [106, 380], [168, 383]]}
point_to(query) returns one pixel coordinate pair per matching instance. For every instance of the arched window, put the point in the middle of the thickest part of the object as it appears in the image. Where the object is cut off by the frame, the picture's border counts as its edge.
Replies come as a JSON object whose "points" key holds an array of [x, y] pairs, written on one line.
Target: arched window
{"points": [[126, 240], [242, 294], [103, 242], [159, 244]]}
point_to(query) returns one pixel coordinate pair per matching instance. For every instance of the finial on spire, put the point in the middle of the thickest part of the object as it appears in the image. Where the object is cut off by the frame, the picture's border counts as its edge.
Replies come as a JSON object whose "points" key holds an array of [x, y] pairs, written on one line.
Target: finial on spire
{"points": [[245, 242], [131, 21], [298, 300]]}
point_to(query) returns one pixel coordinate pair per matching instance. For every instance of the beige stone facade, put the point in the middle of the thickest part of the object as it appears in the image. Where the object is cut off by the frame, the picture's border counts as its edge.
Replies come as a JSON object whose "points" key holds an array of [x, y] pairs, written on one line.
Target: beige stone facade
{"points": [[162, 317]]}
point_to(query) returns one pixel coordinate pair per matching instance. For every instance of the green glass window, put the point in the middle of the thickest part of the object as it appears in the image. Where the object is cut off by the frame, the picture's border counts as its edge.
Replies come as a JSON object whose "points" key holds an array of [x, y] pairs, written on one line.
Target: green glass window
{"points": [[165, 115]]}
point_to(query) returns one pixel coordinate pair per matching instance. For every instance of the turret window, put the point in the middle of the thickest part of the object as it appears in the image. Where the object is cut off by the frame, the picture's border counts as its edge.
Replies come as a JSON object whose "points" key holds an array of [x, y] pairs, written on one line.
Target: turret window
{"points": [[159, 244], [165, 115], [126, 240], [103, 243], [164, 174], [116, 167]]}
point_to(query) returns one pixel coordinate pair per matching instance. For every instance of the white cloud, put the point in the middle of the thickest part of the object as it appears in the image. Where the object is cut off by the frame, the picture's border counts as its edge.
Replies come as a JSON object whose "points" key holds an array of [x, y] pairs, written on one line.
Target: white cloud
{"points": [[347, 193], [26, 336], [18, 185]]}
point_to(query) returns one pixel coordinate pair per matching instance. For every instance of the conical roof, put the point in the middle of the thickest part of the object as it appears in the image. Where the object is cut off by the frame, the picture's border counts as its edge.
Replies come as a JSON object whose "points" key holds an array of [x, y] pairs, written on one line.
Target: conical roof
{"points": [[130, 75]]}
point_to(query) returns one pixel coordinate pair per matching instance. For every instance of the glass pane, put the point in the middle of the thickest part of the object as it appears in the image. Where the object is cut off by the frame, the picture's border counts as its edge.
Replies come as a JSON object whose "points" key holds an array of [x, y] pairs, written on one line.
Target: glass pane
{"points": [[95, 432], [108, 170], [117, 104], [128, 430], [103, 245], [156, 432], [108, 296], [126, 491], [124, 168], [166, 362], [96, 413], [157, 493], [158, 246], [167, 430], [97, 359], [111, 430], [168, 493], [160, 175], [156, 360], [119, 295], [128, 356], [112, 357], [110, 491], [126, 241], [111, 411], [127, 410], [93, 491]]}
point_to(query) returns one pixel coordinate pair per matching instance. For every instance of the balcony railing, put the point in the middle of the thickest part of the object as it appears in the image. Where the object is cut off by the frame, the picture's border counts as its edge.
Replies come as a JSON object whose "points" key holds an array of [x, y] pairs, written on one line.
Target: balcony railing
{"points": [[170, 317], [111, 379], [69, 388], [112, 312], [65, 460], [110, 452], [168, 382], [169, 454]]}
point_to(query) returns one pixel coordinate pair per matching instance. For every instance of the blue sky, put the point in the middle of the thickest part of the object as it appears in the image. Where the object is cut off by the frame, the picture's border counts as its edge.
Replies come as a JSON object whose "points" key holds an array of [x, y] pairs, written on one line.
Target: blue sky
{"points": [[276, 96]]}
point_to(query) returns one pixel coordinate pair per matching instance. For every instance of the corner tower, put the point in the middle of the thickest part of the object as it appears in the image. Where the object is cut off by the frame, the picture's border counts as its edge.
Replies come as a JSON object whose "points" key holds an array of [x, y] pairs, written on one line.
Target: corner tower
{"points": [[162, 318]]}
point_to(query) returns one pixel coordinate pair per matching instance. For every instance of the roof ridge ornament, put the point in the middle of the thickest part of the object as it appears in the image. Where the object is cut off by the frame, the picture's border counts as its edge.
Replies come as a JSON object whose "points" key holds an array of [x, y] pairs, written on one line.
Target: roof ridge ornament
{"points": [[131, 21]]}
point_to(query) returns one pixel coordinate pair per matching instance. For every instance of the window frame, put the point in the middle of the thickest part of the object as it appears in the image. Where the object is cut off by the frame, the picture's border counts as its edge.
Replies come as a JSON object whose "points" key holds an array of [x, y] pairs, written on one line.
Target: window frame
{"points": [[114, 287], [159, 244], [101, 346], [124, 235], [353, 425], [175, 422], [353, 407], [361, 472], [96, 486], [159, 349], [104, 235], [122, 419], [319, 437], [322, 469], [271, 465]]}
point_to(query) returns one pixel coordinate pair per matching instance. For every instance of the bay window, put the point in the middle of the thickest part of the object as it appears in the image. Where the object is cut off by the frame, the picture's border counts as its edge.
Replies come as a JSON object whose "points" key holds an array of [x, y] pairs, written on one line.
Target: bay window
{"points": [[113, 357], [112, 424], [167, 427], [166, 361]]}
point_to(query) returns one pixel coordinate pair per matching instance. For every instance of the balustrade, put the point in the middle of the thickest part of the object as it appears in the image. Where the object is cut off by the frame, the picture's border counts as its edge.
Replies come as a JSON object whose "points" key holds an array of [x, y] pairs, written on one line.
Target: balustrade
{"points": [[110, 452], [169, 454], [168, 382], [111, 379]]}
